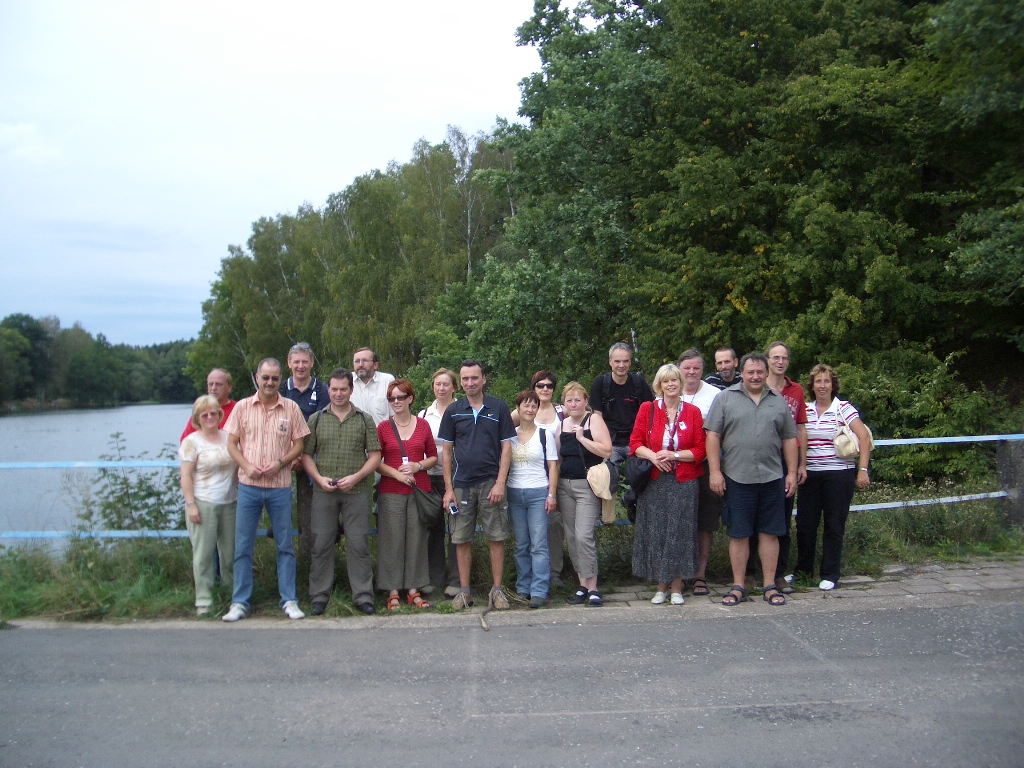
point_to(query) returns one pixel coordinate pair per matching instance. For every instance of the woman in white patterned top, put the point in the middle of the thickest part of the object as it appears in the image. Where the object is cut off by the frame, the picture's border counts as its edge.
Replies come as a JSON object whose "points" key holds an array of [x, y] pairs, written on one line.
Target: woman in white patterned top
{"points": [[830, 480], [209, 483]]}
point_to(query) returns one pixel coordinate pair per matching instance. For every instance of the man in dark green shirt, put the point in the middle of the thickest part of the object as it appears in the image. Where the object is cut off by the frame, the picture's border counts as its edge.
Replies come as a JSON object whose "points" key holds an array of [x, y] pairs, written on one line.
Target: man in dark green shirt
{"points": [[340, 454]]}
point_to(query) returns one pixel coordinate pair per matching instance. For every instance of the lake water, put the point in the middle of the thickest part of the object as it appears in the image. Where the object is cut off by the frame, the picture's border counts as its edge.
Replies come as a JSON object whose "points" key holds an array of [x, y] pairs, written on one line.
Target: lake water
{"points": [[34, 499]]}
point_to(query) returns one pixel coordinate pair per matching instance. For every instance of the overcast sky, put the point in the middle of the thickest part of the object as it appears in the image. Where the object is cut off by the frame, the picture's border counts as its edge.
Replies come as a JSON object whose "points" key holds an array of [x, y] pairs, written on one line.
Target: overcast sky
{"points": [[139, 139]]}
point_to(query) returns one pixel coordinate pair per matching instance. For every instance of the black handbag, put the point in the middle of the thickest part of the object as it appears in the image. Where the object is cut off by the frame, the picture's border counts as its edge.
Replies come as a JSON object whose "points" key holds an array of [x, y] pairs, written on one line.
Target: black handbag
{"points": [[428, 505], [638, 474]]}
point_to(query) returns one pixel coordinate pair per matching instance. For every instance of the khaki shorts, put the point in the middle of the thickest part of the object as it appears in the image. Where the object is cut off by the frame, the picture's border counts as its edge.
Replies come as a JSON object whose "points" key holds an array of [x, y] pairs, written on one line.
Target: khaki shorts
{"points": [[473, 504]]}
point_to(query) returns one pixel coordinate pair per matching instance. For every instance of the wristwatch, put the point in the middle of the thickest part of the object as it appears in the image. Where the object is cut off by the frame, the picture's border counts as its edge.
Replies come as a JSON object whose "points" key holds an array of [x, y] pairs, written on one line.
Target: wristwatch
{"points": [[675, 455]]}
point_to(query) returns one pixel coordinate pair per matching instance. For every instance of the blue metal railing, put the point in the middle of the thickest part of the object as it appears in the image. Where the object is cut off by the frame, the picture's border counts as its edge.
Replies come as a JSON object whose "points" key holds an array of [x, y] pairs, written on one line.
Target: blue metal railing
{"points": [[177, 534]]}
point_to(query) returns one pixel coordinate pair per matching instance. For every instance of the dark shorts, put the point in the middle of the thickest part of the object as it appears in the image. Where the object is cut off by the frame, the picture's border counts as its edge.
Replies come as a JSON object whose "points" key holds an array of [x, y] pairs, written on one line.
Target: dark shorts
{"points": [[709, 504], [754, 507]]}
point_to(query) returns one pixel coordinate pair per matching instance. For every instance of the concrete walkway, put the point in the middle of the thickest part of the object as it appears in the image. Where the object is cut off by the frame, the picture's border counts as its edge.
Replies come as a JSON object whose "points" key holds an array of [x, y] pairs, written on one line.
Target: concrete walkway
{"points": [[928, 585]]}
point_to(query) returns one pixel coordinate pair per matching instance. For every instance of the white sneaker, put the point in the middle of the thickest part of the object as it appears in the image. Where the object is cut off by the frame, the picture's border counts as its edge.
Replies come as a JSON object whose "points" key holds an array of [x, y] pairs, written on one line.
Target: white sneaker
{"points": [[291, 609], [827, 585], [677, 598], [659, 598], [235, 612]]}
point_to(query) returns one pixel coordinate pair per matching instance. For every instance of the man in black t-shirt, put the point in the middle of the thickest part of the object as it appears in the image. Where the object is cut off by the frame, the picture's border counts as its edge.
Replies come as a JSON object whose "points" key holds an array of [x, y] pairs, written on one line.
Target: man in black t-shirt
{"points": [[617, 397]]}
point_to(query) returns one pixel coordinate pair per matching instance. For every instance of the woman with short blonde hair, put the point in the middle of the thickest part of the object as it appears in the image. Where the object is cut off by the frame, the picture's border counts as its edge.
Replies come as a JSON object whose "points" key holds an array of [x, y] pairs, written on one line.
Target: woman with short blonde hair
{"points": [[209, 485], [583, 442]]}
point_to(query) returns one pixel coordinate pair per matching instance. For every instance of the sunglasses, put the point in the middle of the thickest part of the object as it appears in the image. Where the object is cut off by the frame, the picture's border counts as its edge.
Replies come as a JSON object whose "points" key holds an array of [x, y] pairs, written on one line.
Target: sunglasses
{"points": [[544, 385], [398, 398], [302, 346]]}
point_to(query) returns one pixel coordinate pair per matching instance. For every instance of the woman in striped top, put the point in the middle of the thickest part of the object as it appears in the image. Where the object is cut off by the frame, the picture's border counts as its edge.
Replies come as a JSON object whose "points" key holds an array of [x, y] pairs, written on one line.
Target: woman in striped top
{"points": [[830, 480]]}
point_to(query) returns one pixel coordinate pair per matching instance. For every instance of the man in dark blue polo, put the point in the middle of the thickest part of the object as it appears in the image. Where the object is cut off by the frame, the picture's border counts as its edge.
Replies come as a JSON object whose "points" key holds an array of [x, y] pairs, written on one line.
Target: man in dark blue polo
{"points": [[476, 435], [311, 396]]}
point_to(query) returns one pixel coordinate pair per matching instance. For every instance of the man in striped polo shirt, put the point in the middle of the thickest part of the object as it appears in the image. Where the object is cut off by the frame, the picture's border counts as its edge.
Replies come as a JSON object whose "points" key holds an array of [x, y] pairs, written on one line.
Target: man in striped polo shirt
{"points": [[265, 435]]}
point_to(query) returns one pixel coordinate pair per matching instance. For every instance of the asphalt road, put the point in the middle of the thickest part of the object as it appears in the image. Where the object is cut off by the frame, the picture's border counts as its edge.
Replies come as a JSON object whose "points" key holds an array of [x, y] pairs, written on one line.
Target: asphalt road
{"points": [[883, 683]]}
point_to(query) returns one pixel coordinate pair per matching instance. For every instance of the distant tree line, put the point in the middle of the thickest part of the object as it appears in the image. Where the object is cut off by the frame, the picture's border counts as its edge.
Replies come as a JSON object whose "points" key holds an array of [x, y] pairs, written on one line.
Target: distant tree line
{"points": [[41, 361], [847, 177]]}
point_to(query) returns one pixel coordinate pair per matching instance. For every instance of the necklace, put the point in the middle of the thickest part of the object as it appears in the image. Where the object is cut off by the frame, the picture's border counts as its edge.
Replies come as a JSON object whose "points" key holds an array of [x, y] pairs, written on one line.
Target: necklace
{"points": [[406, 423]]}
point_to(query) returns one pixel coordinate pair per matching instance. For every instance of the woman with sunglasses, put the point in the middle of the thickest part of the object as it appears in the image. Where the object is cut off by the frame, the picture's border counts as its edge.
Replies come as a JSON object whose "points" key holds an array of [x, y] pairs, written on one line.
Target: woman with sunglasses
{"points": [[407, 452], [549, 416]]}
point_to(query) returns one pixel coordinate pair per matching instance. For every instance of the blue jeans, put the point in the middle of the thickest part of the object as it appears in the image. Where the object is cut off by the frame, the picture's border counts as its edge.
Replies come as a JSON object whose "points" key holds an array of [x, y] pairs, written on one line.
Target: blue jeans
{"points": [[530, 528], [251, 501]]}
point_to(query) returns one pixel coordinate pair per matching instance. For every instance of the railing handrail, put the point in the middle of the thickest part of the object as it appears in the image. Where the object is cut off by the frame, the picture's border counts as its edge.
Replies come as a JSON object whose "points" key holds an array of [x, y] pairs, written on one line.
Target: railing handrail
{"points": [[169, 464]]}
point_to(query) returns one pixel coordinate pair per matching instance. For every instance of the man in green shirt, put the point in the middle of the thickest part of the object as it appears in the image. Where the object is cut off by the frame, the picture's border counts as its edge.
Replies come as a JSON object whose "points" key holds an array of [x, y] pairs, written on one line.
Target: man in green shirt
{"points": [[340, 454]]}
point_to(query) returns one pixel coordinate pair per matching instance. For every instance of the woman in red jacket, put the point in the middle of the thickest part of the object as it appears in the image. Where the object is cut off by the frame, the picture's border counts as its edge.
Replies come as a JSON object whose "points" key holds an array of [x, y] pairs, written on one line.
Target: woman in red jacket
{"points": [[665, 534]]}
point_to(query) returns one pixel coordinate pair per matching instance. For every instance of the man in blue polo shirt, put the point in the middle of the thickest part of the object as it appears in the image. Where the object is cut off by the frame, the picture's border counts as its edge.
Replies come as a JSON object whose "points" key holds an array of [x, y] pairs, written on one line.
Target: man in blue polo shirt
{"points": [[311, 396], [476, 435]]}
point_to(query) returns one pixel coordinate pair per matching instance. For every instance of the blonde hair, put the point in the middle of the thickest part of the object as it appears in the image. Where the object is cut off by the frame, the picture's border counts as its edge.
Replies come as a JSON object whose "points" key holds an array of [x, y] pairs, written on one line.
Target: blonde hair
{"points": [[573, 386], [667, 371], [203, 404], [445, 372]]}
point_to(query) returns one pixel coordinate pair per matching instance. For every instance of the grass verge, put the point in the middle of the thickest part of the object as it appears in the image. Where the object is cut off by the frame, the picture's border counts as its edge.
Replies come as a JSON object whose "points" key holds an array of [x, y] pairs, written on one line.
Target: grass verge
{"points": [[150, 578]]}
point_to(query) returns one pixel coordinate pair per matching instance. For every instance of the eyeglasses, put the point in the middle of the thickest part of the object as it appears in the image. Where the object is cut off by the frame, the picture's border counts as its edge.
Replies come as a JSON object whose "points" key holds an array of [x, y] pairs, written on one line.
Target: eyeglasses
{"points": [[544, 385], [268, 379], [398, 398], [301, 346]]}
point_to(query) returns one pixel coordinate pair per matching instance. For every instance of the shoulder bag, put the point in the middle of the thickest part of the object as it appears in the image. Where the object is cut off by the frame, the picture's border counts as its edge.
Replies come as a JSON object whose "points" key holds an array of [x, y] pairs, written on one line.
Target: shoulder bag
{"points": [[428, 505], [638, 473], [846, 442]]}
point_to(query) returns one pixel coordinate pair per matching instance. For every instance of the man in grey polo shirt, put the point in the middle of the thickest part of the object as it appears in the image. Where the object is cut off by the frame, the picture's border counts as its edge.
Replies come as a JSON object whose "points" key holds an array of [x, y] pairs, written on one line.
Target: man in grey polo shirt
{"points": [[749, 430]]}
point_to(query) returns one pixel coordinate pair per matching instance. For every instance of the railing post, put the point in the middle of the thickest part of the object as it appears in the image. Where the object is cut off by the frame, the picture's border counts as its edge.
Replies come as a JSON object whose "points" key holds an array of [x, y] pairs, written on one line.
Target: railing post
{"points": [[1010, 471]]}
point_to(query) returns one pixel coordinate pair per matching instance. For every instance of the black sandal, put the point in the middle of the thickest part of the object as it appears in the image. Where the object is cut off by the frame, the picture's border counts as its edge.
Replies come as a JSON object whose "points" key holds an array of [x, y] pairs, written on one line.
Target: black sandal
{"points": [[699, 587], [578, 597], [731, 597], [773, 596]]}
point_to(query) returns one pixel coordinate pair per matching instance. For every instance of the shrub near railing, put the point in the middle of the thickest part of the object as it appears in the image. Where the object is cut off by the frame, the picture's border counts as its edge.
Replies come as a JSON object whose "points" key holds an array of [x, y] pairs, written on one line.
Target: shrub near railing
{"points": [[130, 498]]}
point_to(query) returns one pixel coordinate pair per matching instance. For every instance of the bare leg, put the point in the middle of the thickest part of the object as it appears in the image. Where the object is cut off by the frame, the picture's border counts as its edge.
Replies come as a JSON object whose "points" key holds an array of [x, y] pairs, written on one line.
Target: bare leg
{"points": [[676, 585], [464, 556], [703, 552], [768, 550], [496, 549], [739, 551]]}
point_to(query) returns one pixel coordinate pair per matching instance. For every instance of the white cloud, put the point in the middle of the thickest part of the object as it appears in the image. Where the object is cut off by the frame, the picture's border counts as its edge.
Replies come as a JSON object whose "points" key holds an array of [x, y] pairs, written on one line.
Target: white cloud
{"points": [[21, 141]]}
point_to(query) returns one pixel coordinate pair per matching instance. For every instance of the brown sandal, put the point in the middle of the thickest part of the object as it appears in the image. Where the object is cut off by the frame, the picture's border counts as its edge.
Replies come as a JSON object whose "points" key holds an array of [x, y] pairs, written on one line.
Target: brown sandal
{"points": [[700, 587], [416, 600], [394, 603]]}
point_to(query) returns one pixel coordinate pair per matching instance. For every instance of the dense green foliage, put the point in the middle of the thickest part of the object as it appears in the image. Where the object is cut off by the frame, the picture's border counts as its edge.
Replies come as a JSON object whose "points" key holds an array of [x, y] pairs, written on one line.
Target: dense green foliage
{"points": [[40, 361], [845, 176]]}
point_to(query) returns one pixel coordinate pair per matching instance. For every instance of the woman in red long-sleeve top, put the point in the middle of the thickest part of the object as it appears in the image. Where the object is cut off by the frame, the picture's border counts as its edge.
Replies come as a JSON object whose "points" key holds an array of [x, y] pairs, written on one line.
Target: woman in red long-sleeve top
{"points": [[665, 534]]}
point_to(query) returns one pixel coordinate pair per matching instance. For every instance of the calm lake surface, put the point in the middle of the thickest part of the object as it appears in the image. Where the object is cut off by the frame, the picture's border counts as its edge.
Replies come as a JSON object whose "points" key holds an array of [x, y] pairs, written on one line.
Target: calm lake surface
{"points": [[35, 499]]}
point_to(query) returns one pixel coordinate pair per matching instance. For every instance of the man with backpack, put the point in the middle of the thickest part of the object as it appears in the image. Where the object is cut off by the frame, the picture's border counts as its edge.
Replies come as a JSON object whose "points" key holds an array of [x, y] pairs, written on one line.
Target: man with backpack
{"points": [[617, 397]]}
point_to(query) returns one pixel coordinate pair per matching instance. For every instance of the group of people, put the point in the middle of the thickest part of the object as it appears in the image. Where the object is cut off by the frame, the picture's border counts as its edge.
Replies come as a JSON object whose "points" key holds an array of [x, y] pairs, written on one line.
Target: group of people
{"points": [[731, 448]]}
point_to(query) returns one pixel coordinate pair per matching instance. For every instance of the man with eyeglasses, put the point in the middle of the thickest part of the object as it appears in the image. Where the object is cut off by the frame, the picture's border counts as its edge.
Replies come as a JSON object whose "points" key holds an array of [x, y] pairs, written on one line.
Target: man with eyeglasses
{"points": [[340, 453], [265, 435], [310, 395], [370, 388], [218, 384]]}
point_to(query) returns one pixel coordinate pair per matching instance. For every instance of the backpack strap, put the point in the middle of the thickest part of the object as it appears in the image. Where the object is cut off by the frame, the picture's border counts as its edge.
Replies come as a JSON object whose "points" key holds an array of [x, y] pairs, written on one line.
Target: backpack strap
{"points": [[544, 450]]}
